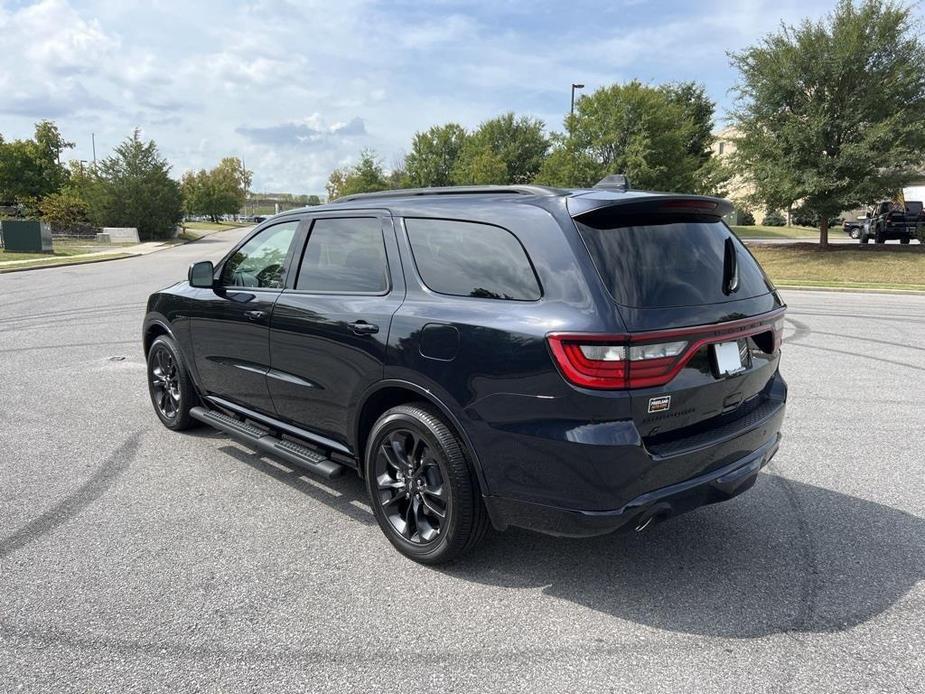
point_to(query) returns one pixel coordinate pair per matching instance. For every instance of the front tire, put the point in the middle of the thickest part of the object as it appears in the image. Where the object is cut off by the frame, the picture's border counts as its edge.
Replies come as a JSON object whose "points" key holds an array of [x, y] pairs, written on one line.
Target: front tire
{"points": [[855, 233], [171, 389], [421, 486]]}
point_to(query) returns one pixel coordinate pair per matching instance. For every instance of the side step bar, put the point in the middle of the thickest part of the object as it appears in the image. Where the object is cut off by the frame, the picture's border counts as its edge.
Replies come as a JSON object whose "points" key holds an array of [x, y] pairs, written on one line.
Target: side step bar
{"points": [[265, 442]]}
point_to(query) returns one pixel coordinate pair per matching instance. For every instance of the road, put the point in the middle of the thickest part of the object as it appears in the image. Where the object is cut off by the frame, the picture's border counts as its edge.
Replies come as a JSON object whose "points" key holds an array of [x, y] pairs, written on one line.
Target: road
{"points": [[135, 559]]}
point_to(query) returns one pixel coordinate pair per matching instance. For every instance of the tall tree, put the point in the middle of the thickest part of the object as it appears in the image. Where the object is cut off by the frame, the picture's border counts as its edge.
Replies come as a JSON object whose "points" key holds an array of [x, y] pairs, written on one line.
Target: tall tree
{"points": [[832, 112], [698, 110], [31, 169], [648, 133], [217, 192], [135, 190], [433, 155], [366, 176], [520, 144]]}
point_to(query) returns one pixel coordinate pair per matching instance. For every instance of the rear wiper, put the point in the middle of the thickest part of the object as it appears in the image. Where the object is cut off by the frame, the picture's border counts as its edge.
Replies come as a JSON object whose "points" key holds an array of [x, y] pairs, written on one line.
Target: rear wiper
{"points": [[730, 267]]}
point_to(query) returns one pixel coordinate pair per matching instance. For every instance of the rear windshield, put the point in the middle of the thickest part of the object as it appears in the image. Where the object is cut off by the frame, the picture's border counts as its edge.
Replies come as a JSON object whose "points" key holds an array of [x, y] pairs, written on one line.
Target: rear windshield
{"points": [[648, 263]]}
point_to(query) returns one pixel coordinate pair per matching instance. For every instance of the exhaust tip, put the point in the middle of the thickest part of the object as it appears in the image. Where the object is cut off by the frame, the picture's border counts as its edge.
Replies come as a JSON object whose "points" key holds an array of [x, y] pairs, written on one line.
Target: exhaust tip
{"points": [[644, 524]]}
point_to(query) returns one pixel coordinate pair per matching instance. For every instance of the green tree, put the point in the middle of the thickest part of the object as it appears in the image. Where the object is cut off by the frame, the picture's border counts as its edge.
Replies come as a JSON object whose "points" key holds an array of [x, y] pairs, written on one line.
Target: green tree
{"points": [[433, 156], [220, 191], [651, 134], [366, 176], [31, 169], [832, 112], [134, 189], [484, 167], [520, 144], [698, 110], [313, 200]]}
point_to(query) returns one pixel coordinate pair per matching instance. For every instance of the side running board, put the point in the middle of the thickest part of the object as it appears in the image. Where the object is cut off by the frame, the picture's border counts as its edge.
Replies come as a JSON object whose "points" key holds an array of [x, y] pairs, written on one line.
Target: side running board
{"points": [[265, 442]]}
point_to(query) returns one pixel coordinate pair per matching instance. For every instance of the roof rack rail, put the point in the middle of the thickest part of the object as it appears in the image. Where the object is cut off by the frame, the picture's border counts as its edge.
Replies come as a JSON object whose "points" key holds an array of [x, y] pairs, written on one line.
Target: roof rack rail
{"points": [[453, 190]]}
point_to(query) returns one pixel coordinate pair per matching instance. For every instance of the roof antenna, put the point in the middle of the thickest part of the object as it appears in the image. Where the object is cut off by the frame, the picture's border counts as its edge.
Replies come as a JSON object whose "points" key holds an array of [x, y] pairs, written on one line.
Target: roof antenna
{"points": [[615, 182]]}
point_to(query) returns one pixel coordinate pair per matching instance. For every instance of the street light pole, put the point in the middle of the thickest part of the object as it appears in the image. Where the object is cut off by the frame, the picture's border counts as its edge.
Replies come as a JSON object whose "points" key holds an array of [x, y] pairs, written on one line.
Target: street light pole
{"points": [[574, 87]]}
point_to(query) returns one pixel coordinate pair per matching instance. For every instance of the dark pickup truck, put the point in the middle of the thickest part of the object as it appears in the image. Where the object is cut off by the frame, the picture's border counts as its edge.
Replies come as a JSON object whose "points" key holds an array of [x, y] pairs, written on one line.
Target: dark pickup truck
{"points": [[855, 227], [893, 220]]}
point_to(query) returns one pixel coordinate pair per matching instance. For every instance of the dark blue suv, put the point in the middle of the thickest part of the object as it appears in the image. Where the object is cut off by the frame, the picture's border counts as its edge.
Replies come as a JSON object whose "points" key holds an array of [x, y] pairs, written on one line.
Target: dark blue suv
{"points": [[570, 361]]}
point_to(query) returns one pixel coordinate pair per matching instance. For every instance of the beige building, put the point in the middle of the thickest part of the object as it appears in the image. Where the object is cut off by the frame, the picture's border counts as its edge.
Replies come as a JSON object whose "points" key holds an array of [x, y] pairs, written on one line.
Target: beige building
{"points": [[723, 147]]}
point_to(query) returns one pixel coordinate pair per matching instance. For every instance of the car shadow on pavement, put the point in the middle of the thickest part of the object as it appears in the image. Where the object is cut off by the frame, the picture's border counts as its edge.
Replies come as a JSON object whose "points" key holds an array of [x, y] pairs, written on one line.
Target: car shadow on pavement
{"points": [[346, 494], [783, 557]]}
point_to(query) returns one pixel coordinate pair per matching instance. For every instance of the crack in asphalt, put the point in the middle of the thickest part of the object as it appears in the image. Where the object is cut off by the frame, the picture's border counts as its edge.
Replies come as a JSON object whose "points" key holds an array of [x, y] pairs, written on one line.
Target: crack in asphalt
{"points": [[73, 344], [114, 465]]}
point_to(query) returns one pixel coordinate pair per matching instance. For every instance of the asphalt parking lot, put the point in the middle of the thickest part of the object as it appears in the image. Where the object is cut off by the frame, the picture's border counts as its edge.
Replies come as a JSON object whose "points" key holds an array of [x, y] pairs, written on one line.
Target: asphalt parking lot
{"points": [[135, 559]]}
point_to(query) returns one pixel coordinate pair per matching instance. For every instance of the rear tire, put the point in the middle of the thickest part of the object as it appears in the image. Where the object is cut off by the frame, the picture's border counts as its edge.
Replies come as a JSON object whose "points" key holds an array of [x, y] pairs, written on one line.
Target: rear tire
{"points": [[171, 389], [421, 486]]}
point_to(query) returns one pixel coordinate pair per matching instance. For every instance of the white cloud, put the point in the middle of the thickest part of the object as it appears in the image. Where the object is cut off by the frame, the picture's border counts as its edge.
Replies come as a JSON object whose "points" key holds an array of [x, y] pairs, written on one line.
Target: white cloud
{"points": [[298, 87]]}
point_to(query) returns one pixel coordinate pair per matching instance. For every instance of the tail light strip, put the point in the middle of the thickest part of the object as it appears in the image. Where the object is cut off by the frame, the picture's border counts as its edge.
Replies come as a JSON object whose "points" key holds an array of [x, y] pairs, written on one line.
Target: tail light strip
{"points": [[645, 360]]}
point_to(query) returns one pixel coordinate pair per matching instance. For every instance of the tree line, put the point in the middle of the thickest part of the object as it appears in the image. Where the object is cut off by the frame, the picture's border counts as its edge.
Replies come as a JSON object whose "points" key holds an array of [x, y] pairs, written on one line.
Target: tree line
{"points": [[130, 188], [829, 116], [659, 136]]}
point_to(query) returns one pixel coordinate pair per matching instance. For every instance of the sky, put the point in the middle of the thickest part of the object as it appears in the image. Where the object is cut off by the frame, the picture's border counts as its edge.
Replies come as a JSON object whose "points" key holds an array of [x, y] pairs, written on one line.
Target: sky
{"points": [[298, 88]]}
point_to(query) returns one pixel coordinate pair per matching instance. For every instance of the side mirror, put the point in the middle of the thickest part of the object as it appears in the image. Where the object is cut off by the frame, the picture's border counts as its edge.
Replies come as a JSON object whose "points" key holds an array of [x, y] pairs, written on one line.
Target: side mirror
{"points": [[201, 274]]}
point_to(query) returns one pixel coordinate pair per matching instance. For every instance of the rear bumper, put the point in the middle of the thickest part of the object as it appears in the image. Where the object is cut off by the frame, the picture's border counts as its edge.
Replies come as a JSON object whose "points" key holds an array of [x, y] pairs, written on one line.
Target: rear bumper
{"points": [[718, 485]]}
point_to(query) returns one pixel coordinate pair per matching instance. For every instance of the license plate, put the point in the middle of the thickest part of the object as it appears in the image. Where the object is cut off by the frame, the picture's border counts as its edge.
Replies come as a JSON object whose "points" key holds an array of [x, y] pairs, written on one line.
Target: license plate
{"points": [[728, 358]]}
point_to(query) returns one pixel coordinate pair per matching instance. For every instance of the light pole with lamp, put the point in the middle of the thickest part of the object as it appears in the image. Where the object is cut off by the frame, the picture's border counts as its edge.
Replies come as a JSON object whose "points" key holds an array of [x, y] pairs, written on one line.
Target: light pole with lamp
{"points": [[574, 87]]}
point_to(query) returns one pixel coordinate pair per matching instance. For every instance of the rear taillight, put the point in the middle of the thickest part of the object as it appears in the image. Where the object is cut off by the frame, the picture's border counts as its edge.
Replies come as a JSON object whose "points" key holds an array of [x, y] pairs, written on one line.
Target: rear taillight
{"points": [[597, 363], [646, 360]]}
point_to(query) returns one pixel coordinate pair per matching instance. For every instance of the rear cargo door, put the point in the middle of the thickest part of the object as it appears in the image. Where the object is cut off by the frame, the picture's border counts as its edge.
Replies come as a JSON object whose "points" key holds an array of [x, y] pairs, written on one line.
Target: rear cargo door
{"points": [[684, 284]]}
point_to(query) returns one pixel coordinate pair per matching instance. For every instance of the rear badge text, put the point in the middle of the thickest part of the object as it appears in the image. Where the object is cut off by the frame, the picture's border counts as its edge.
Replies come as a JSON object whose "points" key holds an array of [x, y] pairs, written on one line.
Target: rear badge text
{"points": [[660, 404]]}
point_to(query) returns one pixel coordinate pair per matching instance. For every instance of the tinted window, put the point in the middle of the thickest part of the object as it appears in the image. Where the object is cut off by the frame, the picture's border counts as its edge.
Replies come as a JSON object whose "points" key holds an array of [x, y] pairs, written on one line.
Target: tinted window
{"points": [[673, 262], [467, 259], [344, 255], [261, 261]]}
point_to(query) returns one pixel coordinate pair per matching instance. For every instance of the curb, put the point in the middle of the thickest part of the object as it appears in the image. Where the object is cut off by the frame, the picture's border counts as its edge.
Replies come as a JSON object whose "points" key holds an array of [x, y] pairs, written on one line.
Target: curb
{"points": [[863, 290]]}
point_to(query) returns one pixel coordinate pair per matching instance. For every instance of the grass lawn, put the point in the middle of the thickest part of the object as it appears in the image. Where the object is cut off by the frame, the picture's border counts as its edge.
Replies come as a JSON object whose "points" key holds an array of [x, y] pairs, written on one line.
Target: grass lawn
{"points": [[46, 260], [6, 256], [878, 267], [763, 232]]}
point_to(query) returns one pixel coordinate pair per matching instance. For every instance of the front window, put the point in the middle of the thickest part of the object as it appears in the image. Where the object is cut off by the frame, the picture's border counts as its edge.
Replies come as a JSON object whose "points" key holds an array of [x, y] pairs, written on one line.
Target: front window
{"points": [[261, 262]]}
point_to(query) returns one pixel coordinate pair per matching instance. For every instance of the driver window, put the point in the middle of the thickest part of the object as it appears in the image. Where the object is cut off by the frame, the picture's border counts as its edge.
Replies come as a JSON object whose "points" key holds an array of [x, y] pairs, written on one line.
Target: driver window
{"points": [[261, 261]]}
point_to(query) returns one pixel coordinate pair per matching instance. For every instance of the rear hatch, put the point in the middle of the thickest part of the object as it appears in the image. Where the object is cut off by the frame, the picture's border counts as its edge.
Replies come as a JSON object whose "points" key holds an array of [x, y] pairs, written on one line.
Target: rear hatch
{"points": [[703, 322]]}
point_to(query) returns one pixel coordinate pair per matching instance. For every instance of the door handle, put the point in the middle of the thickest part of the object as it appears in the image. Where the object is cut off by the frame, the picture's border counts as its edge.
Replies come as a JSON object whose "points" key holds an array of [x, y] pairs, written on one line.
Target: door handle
{"points": [[254, 315], [361, 327]]}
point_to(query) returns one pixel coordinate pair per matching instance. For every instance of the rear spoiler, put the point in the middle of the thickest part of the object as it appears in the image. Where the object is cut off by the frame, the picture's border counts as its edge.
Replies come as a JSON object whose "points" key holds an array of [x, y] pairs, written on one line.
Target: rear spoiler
{"points": [[587, 202]]}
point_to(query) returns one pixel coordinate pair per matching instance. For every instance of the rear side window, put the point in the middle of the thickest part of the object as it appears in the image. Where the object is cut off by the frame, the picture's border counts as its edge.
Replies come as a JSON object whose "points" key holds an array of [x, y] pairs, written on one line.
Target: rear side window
{"points": [[344, 256], [656, 263], [468, 259]]}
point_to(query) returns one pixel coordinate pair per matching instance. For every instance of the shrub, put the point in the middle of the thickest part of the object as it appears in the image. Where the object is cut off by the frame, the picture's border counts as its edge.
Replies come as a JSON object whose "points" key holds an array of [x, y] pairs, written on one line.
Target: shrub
{"points": [[744, 218], [773, 218], [65, 211]]}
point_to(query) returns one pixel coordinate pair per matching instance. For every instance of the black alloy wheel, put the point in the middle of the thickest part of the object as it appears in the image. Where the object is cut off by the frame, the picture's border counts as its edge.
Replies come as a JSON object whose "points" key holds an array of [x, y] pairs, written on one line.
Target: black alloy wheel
{"points": [[411, 486], [172, 392], [165, 384], [422, 487]]}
